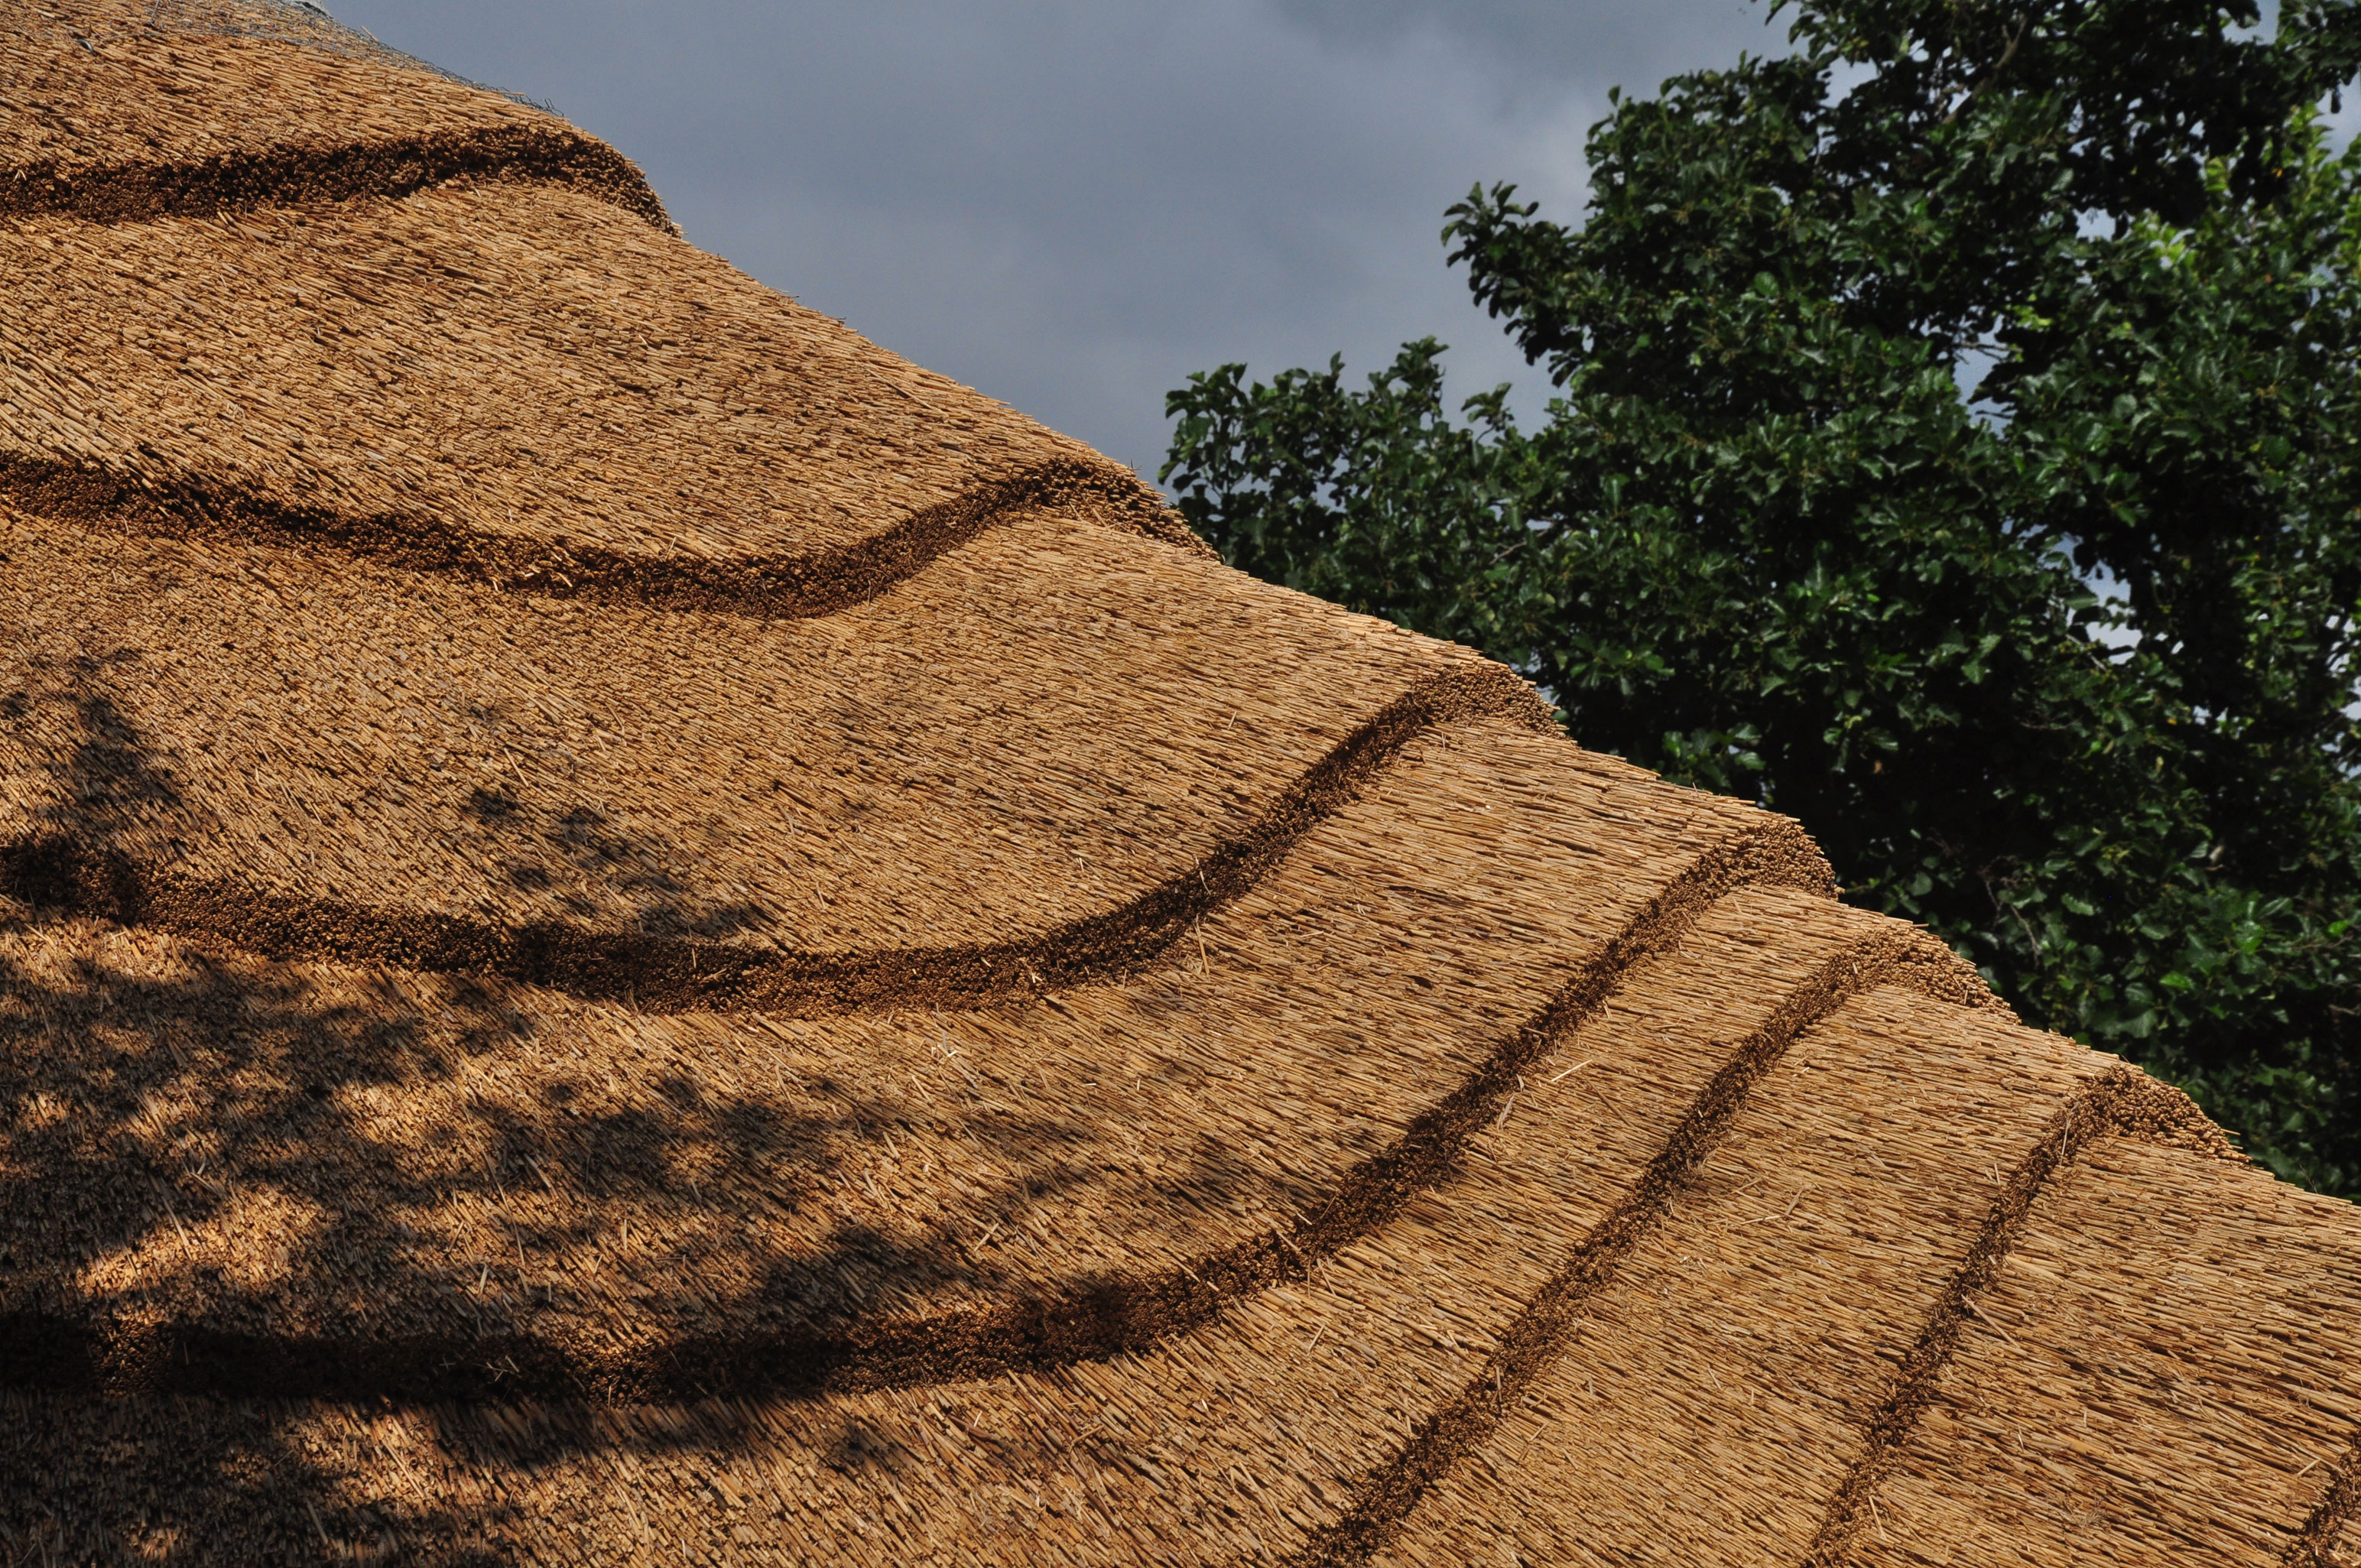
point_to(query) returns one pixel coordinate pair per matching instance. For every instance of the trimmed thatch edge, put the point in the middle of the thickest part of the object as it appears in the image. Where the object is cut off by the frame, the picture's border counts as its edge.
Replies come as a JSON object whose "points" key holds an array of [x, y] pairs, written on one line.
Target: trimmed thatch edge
{"points": [[2120, 1102], [295, 175], [782, 588], [2316, 1544], [1381, 1505], [1091, 1320], [662, 974]]}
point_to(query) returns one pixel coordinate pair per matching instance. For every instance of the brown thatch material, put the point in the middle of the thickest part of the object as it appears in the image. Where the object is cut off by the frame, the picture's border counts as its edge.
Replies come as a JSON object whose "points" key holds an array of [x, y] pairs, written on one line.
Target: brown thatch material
{"points": [[207, 105], [629, 929]]}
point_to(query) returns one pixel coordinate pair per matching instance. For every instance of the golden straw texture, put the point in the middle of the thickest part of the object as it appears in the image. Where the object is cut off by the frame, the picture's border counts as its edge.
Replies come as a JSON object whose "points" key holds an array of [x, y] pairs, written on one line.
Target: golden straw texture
{"points": [[999, 745], [2103, 1407], [511, 380], [631, 930], [113, 110], [1709, 1401], [1251, 1428], [809, 1178]]}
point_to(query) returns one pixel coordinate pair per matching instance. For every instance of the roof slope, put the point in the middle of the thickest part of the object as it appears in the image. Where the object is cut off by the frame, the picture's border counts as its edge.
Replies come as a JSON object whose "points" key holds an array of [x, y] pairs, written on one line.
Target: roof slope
{"points": [[632, 928]]}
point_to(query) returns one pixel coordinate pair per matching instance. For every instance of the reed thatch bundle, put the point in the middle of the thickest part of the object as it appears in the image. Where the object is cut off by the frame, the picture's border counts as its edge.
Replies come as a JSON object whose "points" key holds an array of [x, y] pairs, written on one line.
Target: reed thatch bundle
{"points": [[631, 929]]}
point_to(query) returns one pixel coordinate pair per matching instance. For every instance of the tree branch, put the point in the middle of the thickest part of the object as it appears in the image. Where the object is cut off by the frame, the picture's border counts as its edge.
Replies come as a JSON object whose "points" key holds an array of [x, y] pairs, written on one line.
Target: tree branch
{"points": [[2006, 54]]}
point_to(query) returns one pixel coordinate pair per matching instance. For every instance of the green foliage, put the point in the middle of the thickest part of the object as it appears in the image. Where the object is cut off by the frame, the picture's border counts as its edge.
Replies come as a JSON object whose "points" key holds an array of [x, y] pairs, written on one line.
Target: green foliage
{"points": [[1861, 388]]}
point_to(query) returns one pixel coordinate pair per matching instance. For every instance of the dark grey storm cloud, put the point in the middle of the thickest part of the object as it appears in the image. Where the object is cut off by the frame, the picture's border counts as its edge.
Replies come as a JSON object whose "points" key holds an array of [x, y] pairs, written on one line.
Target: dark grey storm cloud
{"points": [[1070, 204]]}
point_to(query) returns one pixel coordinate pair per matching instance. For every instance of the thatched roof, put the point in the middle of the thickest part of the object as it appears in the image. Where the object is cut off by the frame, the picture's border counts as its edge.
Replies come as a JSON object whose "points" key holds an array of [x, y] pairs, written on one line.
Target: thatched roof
{"points": [[630, 928]]}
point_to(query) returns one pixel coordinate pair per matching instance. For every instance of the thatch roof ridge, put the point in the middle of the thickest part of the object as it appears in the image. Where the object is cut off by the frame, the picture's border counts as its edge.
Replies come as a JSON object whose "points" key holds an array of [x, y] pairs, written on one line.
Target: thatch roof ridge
{"points": [[296, 22], [394, 711], [329, 126], [2121, 1102], [697, 459], [1820, 1486]]}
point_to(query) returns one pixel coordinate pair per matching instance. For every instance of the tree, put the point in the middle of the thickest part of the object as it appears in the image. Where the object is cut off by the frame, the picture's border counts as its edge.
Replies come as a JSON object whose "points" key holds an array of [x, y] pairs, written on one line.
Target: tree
{"points": [[1956, 447]]}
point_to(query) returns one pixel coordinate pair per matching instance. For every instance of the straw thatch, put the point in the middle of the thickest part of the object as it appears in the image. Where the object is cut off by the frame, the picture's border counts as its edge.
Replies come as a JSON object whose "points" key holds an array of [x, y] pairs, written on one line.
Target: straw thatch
{"points": [[632, 930]]}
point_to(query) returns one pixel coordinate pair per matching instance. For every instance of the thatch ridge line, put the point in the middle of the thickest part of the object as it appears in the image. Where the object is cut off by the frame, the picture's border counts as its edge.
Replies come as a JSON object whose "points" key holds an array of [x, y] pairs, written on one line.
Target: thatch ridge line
{"points": [[2121, 1101], [1381, 1503], [1093, 1319], [780, 587], [662, 974], [295, 175]]}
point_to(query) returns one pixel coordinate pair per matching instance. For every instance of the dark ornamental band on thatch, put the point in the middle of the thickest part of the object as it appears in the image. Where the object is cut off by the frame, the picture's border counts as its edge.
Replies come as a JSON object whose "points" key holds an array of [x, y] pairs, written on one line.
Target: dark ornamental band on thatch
{"points": [[632, 930]]}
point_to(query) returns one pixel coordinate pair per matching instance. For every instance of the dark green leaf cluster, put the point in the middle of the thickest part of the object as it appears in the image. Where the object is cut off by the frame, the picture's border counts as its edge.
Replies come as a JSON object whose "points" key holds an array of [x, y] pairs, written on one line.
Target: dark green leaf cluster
{"points": [[1955, 448]]}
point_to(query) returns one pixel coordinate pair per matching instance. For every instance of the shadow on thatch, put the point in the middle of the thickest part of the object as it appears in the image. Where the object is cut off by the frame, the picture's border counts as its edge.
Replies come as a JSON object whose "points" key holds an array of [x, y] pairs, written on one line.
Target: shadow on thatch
{"points": [[143, 1107], [148, 1086], [674, 956], [214, 1221]]}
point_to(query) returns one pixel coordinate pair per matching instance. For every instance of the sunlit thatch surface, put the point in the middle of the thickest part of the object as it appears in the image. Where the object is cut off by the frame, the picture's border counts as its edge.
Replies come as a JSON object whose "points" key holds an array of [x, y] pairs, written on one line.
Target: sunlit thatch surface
{"points": [[632, 930]]}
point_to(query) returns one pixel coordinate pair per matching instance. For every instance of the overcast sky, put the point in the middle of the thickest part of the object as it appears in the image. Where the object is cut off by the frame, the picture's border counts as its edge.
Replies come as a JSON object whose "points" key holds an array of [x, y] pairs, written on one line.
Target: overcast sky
{"points": [[1070, 204]]}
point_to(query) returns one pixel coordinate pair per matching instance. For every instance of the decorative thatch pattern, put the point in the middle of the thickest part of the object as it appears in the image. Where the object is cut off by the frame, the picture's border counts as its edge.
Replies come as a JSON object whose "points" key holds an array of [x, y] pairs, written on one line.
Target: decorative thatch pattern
{"points": [[631, 929]]}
